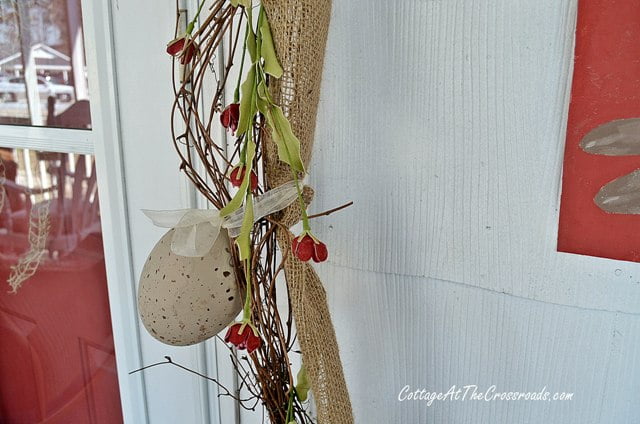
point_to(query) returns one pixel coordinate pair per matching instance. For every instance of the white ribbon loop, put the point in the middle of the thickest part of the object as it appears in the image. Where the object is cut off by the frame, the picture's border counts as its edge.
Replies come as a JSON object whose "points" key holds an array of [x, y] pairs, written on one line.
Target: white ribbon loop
{"points": [[270, 202], [194, 241], [196, 230]]}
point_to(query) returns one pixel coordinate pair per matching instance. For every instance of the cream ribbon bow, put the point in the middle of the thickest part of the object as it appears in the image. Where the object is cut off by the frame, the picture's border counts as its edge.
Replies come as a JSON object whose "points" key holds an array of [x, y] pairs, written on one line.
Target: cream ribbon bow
{"points": [[197, 229]]}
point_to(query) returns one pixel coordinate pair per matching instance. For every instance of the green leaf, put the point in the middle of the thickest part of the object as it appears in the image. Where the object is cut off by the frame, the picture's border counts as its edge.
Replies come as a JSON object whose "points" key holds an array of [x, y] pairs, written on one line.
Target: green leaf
{"points": [[236, 202], [252, 46], [244, 239], [263, 100], [263, 106], [303, 386], [282, 134], [263, 91], [268, 51], [247, 102], [245, 3]]}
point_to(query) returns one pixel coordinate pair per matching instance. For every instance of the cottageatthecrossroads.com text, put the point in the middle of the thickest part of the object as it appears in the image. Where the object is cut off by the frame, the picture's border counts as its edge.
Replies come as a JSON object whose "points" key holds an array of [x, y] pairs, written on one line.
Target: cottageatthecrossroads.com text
{"points": [[472, 392]]}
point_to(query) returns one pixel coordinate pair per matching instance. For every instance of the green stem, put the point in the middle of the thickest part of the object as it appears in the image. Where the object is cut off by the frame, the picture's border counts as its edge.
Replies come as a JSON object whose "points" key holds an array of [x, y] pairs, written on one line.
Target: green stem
{"points": [[243, 151], [303, 207], [236, 93], [246, 316], [192, 24], [259, 33], [290, 406], [305, 218]]}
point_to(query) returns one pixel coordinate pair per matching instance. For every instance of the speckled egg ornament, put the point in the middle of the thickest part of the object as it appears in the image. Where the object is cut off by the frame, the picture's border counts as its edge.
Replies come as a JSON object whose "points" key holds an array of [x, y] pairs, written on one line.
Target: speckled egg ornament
{"points": [[185, 300]]}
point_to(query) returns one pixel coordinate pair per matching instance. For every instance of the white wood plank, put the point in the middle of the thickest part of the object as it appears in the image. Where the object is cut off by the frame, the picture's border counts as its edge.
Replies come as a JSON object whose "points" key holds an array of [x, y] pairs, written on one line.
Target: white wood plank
{"points": [[445, 122], [48, 139], [141, 31], [395, 330]]}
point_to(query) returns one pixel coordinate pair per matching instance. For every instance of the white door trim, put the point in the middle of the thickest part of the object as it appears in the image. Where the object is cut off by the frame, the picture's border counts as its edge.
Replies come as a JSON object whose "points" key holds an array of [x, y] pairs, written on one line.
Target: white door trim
{"points": [[50, 139], [113, 206]]}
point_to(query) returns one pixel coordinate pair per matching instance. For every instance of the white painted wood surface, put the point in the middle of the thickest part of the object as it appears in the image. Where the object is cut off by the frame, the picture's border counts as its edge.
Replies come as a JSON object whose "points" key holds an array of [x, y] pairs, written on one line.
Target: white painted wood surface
{"points": [[460, 108], [444, 121], [396, 330], [141, 30], [104, 141]]}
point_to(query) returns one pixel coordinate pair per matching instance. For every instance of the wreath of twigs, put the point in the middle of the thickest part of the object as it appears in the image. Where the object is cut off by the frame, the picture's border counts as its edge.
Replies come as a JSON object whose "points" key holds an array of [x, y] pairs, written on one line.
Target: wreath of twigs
{"points": [[199, 93]]}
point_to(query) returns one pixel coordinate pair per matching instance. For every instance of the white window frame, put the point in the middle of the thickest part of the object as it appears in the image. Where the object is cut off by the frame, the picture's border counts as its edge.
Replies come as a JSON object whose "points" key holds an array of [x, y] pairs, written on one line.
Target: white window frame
{"points": [[103, 141]]}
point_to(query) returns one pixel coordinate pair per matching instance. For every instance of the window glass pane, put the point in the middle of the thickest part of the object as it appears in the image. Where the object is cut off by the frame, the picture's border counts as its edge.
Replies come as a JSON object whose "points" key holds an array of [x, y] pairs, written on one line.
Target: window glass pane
{"points": [[57, 360], [43, 79]]}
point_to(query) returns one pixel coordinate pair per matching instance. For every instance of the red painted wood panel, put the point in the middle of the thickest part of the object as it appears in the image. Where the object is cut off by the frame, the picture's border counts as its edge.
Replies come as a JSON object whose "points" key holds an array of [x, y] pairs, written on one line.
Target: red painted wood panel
{"points": [[606, 86]]}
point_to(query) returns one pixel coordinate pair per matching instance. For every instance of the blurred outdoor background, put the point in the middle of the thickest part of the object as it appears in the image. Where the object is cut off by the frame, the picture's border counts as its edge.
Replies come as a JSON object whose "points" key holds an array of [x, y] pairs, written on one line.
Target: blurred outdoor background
{"points": [[43, 78]]}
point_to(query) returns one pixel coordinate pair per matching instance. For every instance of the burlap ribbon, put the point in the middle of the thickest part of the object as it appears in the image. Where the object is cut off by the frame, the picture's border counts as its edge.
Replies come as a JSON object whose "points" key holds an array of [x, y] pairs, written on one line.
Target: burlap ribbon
{"points": [[300, 29]]}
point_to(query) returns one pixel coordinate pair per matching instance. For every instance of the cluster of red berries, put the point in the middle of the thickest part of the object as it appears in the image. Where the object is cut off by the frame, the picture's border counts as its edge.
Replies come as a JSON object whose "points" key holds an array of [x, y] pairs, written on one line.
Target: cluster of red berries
{"points": [[306, 247]]}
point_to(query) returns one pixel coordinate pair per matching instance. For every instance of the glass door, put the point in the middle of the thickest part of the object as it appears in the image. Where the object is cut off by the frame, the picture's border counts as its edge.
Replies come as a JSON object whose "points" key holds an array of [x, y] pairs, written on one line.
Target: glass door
{"points": [[57, 355], [57, 358]]}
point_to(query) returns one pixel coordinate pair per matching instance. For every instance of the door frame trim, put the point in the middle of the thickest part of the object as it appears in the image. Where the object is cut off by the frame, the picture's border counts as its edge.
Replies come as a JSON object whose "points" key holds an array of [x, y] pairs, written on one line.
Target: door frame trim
{"points": [[107, 146]]}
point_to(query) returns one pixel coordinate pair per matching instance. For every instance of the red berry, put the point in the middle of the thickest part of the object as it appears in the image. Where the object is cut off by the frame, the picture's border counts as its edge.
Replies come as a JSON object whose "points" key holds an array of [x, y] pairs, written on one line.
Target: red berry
{"points": [[230, 117], [175, 46], [184, 48], [237, 176], [252, 341], [320, 252], [242, 337], [306, 247], [233, 335], [189, 52]]}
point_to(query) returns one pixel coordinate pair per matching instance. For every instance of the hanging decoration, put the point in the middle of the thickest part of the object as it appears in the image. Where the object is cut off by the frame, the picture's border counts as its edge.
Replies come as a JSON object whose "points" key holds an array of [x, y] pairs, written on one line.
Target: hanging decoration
{"points": [[28, 263], [192, 283]]}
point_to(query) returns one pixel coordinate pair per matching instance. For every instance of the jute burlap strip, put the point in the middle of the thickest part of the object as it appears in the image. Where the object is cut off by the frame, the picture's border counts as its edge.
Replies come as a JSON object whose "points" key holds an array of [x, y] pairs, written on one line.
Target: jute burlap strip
{"points": [[300, 30]]}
